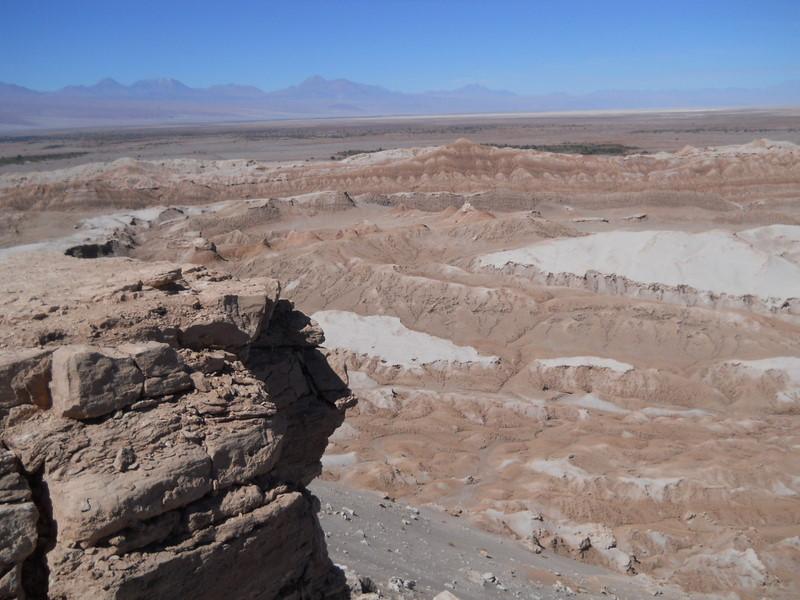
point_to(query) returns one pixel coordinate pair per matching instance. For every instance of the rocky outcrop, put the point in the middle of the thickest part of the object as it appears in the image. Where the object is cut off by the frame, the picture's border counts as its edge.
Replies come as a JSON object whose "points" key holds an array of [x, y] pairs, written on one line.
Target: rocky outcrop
{"points": [[132, 467]]}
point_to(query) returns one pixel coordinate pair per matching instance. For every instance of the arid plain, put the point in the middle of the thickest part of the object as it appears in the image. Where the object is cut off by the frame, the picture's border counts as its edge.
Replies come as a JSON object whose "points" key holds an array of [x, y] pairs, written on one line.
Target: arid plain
{"points": [[579, 331]]}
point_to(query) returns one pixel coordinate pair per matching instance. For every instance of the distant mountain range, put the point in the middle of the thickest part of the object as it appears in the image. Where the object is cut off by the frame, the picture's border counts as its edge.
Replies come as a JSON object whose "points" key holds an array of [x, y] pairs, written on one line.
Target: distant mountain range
{"points": [[158, 101]]}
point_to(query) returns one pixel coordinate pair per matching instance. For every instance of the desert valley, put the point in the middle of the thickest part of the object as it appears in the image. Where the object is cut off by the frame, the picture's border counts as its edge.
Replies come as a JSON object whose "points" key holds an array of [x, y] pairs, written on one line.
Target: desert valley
{"points": [[571, 341]]}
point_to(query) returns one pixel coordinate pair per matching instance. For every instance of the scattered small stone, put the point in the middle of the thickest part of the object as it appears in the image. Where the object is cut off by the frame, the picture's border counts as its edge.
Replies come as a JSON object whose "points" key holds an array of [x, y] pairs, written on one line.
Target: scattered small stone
{"points": [[144, 404], [585, 545], [398, 584], [125, 459], [535, 545], [559, 587], [491, 579], [200, 382]]}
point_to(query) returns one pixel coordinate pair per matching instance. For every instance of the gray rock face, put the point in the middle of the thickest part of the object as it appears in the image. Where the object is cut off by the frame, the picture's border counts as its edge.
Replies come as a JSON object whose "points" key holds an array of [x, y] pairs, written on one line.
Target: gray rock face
{"points": [[193, 485]]}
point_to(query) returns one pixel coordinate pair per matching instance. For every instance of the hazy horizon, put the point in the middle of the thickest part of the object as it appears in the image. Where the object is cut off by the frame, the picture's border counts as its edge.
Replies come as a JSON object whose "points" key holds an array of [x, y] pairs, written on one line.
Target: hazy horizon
{"points": [[467, 86], [413, 47]]}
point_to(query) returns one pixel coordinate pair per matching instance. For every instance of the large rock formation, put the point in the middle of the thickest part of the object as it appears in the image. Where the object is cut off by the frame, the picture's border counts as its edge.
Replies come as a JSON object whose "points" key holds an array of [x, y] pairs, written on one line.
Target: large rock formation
{"points": [[169, 458]]}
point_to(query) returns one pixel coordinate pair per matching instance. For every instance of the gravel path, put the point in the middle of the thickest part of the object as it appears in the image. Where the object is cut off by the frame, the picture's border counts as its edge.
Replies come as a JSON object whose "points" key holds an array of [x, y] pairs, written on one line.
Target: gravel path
{"points": [[383, 539]]}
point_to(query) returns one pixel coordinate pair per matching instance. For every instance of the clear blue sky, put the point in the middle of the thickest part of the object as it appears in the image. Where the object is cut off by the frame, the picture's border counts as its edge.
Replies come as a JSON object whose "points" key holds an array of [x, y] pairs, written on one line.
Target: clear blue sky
{"points": [[530, 47]]}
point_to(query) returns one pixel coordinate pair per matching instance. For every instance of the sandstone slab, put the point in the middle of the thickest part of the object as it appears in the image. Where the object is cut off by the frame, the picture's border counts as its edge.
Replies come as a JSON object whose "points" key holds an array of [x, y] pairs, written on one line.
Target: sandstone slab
{"points": [[90, 382], [161, 366]]}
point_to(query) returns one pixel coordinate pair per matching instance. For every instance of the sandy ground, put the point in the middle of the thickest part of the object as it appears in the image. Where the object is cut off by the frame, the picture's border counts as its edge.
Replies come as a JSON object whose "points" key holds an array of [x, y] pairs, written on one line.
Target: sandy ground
{"points": [[598, 355]]}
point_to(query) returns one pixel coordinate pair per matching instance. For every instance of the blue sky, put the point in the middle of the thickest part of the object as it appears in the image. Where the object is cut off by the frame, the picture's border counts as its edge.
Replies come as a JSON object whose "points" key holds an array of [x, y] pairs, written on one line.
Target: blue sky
{"points": [[412, 45]]}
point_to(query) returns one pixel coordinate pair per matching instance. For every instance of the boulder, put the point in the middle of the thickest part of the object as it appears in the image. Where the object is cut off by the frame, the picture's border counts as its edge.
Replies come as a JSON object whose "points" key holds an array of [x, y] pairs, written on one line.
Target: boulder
{"points": [[24, 378], [163, 280], [95, 249], [233, 319], [327, 371], [201, 243], [89, 382], [162, 367], [265, 553]]}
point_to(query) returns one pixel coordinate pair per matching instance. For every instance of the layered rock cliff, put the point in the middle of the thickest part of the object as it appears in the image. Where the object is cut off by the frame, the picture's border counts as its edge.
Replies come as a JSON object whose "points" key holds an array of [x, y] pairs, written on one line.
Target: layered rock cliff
{"points": [[167, 454]]}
